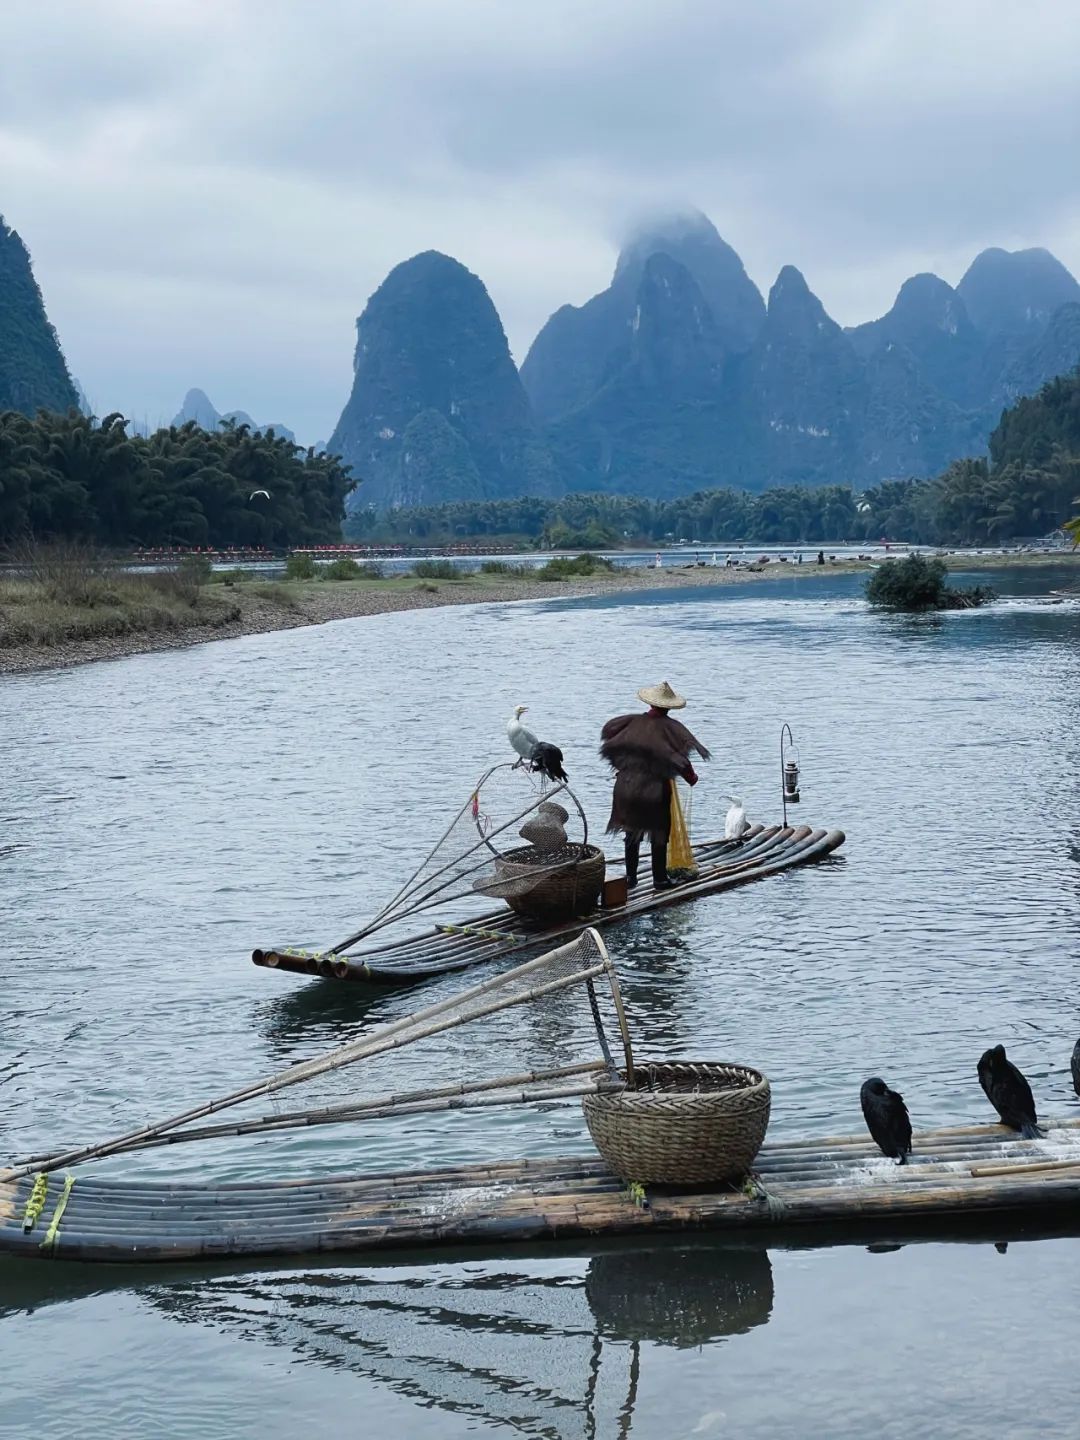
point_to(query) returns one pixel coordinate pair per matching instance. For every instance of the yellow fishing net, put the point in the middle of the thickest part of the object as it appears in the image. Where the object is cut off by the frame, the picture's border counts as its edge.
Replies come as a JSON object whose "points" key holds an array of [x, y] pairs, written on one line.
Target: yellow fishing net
{"points": [[680, 857]]}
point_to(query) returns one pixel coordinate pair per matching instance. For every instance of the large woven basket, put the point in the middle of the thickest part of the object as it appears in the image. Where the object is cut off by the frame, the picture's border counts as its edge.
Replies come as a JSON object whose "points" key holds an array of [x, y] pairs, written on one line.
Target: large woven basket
{"points": [[571, 889], [683, 1123]]}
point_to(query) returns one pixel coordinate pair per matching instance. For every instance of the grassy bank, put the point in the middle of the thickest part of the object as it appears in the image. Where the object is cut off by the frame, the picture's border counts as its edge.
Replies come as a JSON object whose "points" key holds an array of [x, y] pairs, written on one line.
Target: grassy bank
{"points": [[61, 609], [54, 597]]}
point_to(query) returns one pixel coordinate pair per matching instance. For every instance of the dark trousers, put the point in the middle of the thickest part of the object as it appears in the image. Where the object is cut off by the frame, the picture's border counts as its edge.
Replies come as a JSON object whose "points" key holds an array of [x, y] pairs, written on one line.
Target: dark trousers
{"points": [[658, 840]]}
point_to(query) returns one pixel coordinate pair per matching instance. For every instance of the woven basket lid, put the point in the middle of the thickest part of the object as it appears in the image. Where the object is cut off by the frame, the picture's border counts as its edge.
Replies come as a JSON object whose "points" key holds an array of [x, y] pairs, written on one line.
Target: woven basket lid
{"points": [[544, 833]]}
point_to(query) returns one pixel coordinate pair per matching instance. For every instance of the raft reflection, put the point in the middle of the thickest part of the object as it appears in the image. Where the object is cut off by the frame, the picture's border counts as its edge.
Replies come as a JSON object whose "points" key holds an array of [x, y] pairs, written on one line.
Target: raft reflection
{"points": [[551, 1347]]}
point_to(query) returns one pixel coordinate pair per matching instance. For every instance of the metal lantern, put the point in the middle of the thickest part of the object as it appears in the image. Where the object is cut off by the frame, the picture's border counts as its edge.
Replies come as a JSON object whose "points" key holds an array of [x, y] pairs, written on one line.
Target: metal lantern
{"points": [[791, 782], [789, 769]]}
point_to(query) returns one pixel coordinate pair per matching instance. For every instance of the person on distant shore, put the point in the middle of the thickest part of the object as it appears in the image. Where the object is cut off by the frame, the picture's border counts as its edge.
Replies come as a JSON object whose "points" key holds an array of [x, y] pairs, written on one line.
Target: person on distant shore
{"points": [[647, 752]]}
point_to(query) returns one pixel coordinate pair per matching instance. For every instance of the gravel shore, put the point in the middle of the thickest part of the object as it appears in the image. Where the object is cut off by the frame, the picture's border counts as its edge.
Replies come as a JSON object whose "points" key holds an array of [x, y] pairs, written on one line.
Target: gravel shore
{"points": [[315, 603]]}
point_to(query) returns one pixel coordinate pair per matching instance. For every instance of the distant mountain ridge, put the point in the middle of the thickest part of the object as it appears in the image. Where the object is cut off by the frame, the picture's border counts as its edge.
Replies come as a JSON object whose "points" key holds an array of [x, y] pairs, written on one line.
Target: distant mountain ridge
{"points": [[677, 377], [680, 377], [795, 399], [197, 407]]}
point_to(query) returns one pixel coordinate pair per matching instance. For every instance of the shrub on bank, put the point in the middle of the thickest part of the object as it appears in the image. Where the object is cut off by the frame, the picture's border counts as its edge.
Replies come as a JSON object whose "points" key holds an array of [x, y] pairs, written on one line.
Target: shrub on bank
{"points": [[346, 568], [917, 583], [503, 567], [562, 567], [300, 567]]}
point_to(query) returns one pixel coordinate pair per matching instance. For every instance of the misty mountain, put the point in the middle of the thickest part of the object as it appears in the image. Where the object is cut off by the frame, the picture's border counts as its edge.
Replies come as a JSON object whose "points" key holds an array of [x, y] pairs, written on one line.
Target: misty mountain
{"points": [[33, 373], [437, 410], [679, 377], [781, 394], [573, 353]]}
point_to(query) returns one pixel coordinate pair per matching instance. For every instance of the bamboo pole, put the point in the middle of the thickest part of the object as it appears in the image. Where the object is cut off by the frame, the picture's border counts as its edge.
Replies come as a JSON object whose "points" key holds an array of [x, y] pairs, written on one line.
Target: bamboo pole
{"points": [[455, 1097], [982, 1170], [392, 912], [421, 1024]]}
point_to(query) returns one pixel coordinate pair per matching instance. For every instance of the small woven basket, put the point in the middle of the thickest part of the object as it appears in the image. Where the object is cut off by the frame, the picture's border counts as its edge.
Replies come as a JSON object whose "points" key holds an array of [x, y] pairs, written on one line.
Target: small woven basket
{"points": [[572, 889], [683, 1123]]}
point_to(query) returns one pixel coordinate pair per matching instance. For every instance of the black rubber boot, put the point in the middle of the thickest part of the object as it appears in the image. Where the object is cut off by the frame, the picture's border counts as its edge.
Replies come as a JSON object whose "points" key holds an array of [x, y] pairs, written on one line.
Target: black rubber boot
{"points": [[631, 855], [658, 848]]}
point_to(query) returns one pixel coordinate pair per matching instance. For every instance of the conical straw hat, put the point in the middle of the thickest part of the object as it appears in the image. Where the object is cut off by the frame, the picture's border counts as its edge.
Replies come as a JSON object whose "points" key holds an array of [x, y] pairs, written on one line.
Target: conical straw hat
{"points": [[662, 696]]}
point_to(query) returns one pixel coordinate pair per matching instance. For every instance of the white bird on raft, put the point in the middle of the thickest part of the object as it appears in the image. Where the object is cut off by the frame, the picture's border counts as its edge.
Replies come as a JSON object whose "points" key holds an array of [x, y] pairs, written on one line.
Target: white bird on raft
{"points": [[735, 824], [537, 754]]}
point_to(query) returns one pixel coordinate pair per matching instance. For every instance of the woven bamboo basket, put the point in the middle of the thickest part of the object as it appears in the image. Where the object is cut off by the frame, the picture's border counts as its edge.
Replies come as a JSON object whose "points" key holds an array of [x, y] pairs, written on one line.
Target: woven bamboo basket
{"points": [[571, 889], [684, 1122]]}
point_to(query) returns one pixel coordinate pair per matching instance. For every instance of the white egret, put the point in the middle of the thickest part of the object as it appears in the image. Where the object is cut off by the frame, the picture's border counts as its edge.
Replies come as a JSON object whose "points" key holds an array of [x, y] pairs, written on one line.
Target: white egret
{"points": [[540, 756], [735, 824]]}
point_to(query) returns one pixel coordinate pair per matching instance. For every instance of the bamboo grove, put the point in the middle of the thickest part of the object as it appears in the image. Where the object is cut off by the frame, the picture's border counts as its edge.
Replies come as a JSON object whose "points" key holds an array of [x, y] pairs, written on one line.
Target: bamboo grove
{"points": [[67, 476]]}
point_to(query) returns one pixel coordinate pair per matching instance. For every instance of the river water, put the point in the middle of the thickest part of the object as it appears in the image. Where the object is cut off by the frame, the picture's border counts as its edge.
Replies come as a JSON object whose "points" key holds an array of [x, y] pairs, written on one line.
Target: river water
{"points": [[163, 815]]}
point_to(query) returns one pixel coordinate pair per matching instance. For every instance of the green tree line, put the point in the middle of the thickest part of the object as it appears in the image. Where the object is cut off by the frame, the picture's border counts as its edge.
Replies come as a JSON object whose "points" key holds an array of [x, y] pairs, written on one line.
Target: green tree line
{"points": [[73, 477], [1028, 486]]}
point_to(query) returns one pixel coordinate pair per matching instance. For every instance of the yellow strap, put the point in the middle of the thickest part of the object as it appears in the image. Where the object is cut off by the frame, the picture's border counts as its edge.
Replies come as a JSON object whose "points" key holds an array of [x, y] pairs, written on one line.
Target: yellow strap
{"points": [[58, 1213], [36, 1202]]}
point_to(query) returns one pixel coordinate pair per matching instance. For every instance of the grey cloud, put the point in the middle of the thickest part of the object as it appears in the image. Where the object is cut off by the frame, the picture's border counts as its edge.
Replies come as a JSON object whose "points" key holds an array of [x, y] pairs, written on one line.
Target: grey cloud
{"points": [[211, 191]]}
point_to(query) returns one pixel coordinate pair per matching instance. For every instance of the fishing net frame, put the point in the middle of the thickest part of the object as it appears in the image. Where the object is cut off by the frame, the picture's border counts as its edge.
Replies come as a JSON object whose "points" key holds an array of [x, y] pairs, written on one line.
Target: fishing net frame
{"points": [[582, 961], [425, 888]]}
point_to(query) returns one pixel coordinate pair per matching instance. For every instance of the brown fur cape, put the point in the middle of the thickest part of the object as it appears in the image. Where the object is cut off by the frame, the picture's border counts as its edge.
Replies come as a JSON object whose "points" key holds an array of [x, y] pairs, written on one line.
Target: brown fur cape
{"points": [[646, 752]]}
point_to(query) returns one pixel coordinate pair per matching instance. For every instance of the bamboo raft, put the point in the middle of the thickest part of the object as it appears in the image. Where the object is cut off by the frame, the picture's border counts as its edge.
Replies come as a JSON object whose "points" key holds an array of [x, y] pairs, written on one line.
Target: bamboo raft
{"points": [[723, 865], [954, 1174]]}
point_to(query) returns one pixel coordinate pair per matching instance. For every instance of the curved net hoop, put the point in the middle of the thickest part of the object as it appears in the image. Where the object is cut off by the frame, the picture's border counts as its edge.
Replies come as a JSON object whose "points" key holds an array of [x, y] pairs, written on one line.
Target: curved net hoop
{"points": [[507, 805], [582, 964]]}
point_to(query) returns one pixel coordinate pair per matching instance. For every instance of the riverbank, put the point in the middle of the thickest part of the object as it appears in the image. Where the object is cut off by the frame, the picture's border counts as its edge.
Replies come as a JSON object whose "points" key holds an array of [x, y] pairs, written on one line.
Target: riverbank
{"points": [[146, 618]]}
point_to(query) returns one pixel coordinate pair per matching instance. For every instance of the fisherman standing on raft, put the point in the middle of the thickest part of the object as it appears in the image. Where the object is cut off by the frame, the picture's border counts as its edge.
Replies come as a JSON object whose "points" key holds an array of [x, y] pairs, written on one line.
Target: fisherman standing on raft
{"points": [[647, 752]]}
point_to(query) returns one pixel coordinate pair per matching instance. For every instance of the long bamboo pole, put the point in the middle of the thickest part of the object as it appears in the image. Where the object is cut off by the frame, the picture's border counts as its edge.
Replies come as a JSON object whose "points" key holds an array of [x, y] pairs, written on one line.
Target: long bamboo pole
{"points": [[419, 1025], [407, 1102]]}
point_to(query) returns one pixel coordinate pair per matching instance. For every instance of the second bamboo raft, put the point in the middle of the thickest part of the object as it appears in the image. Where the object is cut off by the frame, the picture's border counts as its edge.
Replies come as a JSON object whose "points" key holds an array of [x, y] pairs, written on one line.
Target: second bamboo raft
{"points": [[954, 1174], [722, 865]]}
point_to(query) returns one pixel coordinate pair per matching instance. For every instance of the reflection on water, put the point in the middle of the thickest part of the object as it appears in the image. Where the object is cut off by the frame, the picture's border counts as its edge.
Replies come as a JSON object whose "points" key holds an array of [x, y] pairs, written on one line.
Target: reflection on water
{"points": [[549, 1347], [668, 1341], [160, 816]]}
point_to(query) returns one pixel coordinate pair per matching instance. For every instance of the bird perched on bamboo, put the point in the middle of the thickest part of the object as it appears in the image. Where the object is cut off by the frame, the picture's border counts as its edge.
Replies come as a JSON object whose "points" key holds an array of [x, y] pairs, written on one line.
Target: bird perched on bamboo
{"points": [[1075, 1065], [1008, 1092], [736, 824], [886, 1118], [541, 757]]}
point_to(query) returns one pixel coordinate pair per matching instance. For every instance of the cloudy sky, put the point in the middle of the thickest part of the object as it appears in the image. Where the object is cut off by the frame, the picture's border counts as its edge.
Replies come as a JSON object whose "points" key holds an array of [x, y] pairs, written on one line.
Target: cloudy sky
{"points": [[210, 189]]}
